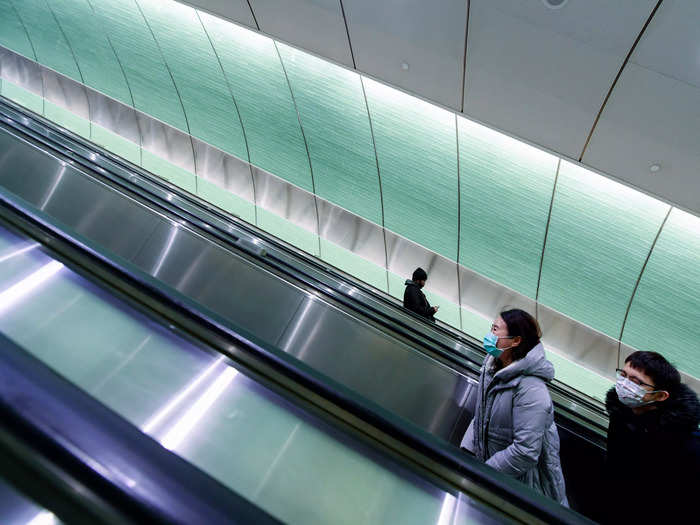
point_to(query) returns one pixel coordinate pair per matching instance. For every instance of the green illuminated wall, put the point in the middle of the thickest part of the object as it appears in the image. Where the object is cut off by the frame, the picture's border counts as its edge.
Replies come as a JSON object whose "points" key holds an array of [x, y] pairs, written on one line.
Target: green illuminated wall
{"points": [[546, 228]]}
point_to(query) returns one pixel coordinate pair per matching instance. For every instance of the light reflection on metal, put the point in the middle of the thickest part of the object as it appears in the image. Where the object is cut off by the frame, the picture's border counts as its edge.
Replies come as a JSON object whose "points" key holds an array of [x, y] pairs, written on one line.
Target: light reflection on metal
{"points": [[4, 258], [43, 518], [177, 434], [19, 290], [175, 402], [447, 510], [168, 247]]}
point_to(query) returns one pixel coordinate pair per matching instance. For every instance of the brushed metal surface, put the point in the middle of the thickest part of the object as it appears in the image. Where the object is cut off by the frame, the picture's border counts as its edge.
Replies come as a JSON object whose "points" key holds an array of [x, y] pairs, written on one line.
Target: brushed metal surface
{"points": [[487, 297], [352, 232], [66, 92], [220, 281], [166, 142], [286, 200], [78, 202], [578, 342], [383, 369], [21, 71], [404, 256], [225, 171], [114, 116]]}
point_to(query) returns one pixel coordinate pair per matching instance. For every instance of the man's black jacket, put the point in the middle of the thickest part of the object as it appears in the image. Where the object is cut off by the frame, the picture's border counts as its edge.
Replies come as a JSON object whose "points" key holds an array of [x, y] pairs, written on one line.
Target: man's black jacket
{"points": [[653, 467]]}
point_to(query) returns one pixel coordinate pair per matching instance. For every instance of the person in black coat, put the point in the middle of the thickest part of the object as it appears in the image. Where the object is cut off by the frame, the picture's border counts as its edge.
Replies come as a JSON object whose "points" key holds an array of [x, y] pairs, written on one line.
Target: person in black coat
{"points": [[653, 461], [414, 299]]}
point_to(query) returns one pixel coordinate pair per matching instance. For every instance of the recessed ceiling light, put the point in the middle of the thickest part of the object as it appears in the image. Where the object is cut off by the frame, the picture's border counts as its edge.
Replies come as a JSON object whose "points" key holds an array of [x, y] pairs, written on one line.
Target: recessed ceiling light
{"points": [[404, 66], [555, 4], [655, 168]]}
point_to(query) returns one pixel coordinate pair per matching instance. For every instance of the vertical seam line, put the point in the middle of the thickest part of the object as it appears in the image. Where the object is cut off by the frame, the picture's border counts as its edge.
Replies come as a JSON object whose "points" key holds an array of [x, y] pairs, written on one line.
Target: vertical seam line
{"points": [[126, 80], [347, 32], [177, 91], [459, 224], [544, 241], [464, 59], [379, 179], [639, 279], [306, 145], [36, 57], [75, 59], [238, 112], [617, 77], [257, 26]]}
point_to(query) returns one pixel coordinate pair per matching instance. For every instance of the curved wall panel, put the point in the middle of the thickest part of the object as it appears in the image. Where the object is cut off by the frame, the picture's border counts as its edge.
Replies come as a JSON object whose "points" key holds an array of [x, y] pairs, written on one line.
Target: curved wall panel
{"points": [[151, 85], [93, 52], [600, 233], [334, 115], [505, 190], [196, 73], [417, 150], [665, 313], [370, 179], [252, 65], [13, 34]]}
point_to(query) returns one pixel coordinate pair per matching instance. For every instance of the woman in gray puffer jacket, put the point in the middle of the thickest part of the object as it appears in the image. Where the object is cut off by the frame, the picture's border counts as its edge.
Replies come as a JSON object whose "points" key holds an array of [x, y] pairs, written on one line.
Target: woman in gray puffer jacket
{"points": [[513, 428]]}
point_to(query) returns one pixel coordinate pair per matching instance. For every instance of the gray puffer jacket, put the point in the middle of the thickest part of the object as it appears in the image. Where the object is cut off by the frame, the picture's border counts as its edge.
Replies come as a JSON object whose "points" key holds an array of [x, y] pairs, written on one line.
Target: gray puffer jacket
{"points": [[513, 428]]}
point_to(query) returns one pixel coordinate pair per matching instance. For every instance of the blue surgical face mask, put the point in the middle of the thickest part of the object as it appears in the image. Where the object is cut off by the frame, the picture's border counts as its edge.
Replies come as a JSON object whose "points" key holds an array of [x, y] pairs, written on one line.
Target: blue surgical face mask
{"points": [[490, 341]]}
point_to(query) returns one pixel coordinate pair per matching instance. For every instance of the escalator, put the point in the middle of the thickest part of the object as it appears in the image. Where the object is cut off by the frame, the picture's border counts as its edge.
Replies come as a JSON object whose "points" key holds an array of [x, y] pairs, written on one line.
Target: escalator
{"points": [[315, 320]]}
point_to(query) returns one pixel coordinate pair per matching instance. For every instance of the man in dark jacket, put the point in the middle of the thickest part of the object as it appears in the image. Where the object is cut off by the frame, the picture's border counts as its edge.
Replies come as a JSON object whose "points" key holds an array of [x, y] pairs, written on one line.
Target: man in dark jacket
{"points": [[414, 299], [653, 444]]}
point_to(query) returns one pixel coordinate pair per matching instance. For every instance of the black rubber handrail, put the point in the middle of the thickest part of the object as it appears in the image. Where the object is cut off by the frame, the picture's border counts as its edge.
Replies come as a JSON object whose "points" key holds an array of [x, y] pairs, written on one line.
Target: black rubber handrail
{"points": [[39, 225], [101, 466]]}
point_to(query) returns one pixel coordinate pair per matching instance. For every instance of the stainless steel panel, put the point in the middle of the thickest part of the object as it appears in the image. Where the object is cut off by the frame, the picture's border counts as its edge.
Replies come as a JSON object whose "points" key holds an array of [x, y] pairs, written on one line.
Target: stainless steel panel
{"points": [[166, 142], [226, 171], [21, 71], [691, 381], [85, 206], [489, 298], [580, 343], [66, 92], [352, 232], [114, 116], [379, 367], [286, 200], [404, 256], [220, 281]]}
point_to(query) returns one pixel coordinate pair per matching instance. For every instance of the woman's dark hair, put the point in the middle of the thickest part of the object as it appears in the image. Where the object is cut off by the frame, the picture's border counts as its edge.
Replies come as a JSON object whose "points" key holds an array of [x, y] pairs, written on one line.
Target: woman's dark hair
{"points": [[521, 323], [664, 375]]}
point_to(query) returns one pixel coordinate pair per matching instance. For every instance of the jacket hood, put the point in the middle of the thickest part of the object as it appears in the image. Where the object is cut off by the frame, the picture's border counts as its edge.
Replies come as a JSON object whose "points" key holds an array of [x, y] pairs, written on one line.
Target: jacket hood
{"points": [[409, 282], [533, 364], [679, 413]]}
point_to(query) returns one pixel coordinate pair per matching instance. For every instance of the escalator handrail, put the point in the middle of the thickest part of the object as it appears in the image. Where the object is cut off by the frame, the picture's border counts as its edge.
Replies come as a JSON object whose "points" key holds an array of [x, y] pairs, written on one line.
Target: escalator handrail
{"points": [[39, 225], [94, 451]]}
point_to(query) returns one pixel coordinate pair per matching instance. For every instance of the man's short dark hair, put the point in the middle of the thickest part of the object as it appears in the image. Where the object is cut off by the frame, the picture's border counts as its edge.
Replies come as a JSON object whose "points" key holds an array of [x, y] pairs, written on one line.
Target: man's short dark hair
{"points": [[420, 275], [664, 374]]}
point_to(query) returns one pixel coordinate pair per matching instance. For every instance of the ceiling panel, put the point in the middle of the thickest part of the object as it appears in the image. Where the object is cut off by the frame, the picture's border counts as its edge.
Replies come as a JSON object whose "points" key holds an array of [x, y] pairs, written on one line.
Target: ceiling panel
{"points": [[651, 119], [653, 116], [315, 25], [427, 38], [236, 10], [543, 73], [671, 43]]}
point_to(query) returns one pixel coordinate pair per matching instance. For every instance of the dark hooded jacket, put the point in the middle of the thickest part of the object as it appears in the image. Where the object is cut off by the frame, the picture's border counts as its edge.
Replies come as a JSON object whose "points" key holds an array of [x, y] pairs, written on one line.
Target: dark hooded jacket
{"points": [[414, 299], [653, 462]]}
